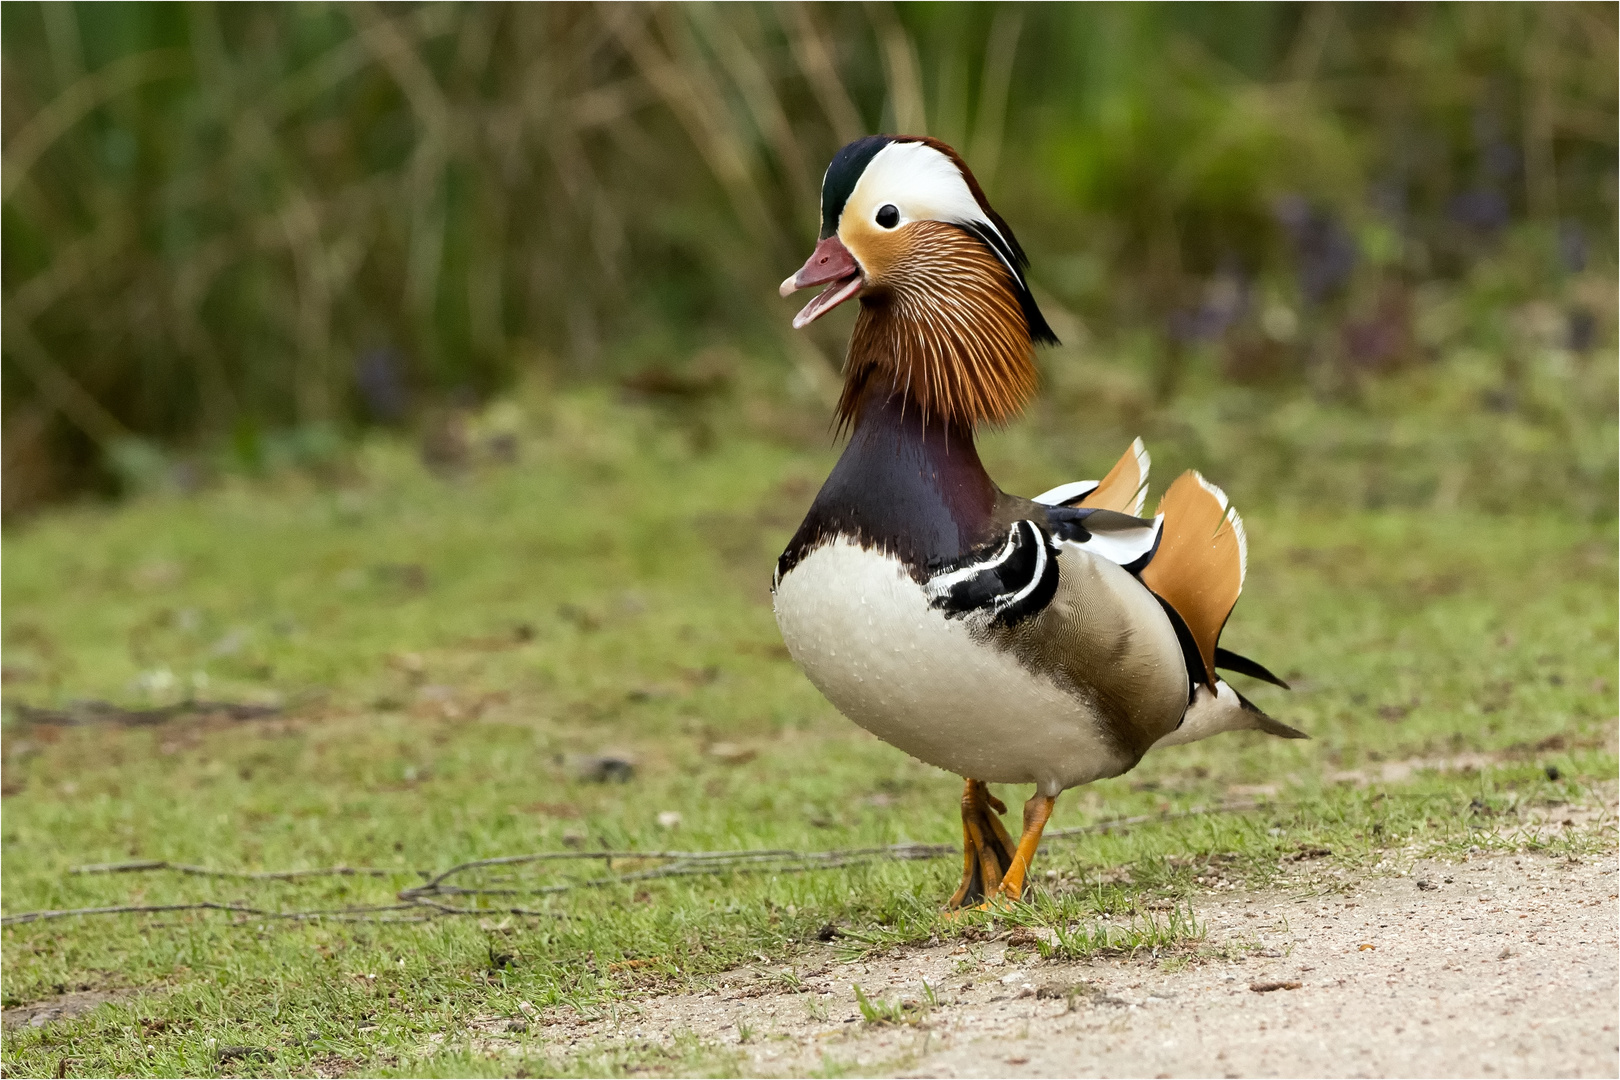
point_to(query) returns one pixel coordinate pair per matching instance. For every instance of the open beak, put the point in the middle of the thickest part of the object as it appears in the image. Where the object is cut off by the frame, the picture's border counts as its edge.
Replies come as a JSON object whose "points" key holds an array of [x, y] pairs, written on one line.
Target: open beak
{"points": [[831, 261]]}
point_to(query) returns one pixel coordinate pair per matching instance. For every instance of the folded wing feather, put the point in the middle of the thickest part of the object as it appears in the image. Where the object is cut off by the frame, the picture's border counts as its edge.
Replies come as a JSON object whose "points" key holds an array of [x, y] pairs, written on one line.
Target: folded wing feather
{"points": [[1199, 567], [1125, 487]]}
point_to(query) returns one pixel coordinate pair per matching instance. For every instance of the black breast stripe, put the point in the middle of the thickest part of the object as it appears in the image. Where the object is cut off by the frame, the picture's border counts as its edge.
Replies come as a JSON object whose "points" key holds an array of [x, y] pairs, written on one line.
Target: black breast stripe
{"points": [[1010, 582]]}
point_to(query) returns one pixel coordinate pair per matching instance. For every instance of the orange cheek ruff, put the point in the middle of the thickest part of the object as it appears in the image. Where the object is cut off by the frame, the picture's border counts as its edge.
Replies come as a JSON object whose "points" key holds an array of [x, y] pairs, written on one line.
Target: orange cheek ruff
{"points": [[941, 316]]}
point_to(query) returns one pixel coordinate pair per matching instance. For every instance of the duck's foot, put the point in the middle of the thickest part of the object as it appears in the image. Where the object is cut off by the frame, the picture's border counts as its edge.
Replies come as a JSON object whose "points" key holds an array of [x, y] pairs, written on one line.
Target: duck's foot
{"points": [[987, 850], [1037, 812]]}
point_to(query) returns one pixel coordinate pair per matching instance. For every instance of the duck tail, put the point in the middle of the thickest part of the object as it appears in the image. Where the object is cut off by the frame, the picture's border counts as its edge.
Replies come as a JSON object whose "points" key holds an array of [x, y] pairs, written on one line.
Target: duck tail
{"points": [[1216, 708]]}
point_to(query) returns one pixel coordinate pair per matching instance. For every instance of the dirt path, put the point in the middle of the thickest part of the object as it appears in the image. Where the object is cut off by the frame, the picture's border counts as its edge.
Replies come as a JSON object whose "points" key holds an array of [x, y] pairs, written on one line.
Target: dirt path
{"points": [[1503, 966]]}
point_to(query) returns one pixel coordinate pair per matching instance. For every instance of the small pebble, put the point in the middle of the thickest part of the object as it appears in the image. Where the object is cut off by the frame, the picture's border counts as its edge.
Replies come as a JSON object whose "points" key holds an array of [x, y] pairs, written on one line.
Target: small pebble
{"points": [[603, 768]]}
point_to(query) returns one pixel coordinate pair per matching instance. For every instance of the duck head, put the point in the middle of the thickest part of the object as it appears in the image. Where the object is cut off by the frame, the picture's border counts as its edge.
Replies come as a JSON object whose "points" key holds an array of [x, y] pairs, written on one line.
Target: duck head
{"points": [[946, 314]]}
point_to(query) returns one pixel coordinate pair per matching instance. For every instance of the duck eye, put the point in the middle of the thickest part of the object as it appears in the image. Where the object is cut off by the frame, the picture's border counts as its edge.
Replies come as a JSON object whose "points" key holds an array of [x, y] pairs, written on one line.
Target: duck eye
{"points": [[888, 215]]}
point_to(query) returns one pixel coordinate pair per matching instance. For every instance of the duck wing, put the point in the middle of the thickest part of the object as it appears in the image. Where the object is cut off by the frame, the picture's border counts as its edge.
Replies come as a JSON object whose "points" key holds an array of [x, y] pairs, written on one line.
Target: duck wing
{"points": [[1124, 540], [1104, 517], [1014, 573], [1200, 564], [1197, 574], [1124, 489]]}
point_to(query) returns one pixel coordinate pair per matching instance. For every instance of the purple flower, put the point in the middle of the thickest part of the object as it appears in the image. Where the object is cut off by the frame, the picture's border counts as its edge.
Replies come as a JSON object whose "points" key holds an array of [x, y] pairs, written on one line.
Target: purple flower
{"points": [[379, 376], [1481, 208], [1325, 251]]}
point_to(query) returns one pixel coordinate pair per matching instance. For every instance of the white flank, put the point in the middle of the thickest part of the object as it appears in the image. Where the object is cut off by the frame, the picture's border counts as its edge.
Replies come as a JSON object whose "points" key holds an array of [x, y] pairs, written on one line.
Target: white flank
{"points": [[864, 633]]}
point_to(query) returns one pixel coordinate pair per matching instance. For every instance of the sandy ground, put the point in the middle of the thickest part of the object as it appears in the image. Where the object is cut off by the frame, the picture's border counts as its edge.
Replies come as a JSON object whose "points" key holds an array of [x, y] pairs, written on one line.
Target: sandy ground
{"points": [[1501, 966]]}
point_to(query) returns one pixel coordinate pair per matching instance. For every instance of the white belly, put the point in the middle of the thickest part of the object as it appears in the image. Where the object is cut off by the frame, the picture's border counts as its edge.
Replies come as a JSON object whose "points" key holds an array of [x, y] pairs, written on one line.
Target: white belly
{"points": [[864, 633]]}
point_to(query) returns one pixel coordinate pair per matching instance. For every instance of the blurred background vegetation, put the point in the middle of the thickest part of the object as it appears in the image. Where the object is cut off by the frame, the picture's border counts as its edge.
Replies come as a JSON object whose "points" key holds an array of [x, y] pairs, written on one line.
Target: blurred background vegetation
{"points": [[1351, 253]]}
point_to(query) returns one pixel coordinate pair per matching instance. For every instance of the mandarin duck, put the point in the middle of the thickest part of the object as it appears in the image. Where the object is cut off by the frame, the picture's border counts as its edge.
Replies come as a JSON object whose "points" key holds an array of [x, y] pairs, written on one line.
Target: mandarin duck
{"points": [[1049, 641]]}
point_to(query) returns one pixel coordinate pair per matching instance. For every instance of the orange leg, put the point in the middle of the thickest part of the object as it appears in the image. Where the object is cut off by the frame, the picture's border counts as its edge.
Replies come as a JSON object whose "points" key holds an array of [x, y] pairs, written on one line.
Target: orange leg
{"points": [[1037, 812], [987, 850]]}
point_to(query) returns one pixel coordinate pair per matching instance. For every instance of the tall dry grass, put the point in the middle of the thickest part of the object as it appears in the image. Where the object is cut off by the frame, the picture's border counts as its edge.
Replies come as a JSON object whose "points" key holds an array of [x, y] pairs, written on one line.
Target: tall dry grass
{"points": [[246, 222]]}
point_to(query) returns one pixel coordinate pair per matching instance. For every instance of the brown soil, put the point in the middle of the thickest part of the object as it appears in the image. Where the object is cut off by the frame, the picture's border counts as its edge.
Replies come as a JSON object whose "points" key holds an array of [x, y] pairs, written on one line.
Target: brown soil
{"points": [[1500, 966], [63, 1007]]}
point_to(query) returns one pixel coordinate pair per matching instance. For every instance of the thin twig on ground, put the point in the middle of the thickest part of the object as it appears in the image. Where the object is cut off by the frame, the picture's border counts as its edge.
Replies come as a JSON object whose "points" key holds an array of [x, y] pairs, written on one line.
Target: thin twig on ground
{"points": [[369, 912], [105, 712], [421, 898], [141, 865]]}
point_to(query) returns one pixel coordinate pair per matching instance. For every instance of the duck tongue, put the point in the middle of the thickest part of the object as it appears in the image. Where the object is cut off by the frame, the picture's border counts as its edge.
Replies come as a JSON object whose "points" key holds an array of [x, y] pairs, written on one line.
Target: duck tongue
{"points": [[827, 299]]}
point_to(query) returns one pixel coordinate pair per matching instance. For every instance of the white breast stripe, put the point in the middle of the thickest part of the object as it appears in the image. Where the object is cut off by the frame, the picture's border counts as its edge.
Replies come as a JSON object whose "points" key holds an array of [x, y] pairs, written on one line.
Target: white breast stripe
{"points": [[1018, 583], [942, 584], [920, 182], [1003, 603]]}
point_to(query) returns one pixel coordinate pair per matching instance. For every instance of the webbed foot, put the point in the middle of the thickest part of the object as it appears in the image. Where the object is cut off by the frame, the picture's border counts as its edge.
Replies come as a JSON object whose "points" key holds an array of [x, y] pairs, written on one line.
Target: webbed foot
{"points": [[987, 850]]}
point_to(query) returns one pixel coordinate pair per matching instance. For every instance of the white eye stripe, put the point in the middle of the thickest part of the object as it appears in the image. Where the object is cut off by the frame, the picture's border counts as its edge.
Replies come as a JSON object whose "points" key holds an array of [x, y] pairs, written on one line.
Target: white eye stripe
{"points": [[925, 185], [920, 182]]}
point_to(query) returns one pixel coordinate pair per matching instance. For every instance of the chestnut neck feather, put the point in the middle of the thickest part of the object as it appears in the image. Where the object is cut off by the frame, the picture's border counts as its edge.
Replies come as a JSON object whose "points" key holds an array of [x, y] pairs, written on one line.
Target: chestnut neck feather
{"points": [[944, 325]]}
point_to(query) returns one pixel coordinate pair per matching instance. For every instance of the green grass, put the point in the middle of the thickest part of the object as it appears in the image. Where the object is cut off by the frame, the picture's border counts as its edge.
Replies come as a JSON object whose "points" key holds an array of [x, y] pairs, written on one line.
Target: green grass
{"points": [[442, 648]]}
